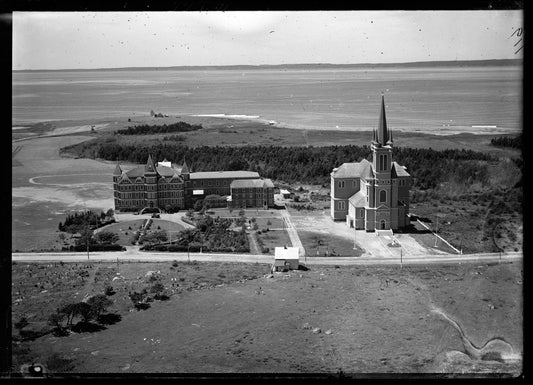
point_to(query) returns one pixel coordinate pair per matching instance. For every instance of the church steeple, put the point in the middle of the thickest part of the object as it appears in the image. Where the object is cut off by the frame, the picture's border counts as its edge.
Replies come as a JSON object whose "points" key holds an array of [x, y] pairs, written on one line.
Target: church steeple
{"points": [[383, 132]]}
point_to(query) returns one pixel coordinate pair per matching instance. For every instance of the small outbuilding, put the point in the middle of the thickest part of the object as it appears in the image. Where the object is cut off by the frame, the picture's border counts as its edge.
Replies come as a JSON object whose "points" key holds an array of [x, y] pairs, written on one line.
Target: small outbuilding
{"points": [[286, 258], [285, 193]]}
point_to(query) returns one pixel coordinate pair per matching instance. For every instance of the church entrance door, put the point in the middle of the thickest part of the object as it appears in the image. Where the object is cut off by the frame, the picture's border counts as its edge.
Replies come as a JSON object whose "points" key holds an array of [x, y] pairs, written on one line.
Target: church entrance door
{"points": [[383, 224]]}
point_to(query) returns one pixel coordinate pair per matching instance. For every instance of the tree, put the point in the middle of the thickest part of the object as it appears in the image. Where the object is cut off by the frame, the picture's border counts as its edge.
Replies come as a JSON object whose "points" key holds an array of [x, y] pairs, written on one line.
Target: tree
{"points": [[110, 213], [56, 319], [85, 311], [99, 304], [106, 237], [198, 205], [86, 237]]}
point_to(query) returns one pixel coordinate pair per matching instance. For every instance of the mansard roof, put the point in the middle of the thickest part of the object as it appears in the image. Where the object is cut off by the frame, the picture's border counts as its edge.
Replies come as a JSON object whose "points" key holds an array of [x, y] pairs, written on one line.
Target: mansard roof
{"points": [[398, 170], [362, 169], [248, 183]]}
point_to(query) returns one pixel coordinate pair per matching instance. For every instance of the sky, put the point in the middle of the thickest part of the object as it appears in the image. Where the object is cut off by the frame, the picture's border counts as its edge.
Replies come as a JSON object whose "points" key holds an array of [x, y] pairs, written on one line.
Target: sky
{"points": [[73, 40]]}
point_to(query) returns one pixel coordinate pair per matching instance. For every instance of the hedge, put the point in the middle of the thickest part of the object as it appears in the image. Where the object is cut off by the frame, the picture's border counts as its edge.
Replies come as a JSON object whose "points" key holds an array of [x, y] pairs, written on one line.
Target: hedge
{"points": [[113, 247], [194, 249]]}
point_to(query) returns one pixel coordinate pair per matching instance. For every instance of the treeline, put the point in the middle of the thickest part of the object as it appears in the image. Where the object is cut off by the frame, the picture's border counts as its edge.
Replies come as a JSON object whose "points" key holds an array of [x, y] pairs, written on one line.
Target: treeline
{"points": [[313, 165], [507, 141], [146, 129]]}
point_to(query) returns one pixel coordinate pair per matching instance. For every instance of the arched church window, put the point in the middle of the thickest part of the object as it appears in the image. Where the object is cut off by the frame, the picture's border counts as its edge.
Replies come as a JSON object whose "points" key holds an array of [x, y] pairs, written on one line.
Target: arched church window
{"points": [[382, 196]]}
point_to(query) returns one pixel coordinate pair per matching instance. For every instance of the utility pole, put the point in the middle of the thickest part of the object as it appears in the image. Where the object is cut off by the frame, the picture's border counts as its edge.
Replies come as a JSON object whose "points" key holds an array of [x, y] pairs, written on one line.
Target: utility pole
{"points": [[401, 257], [436, 228], [354, 234]]}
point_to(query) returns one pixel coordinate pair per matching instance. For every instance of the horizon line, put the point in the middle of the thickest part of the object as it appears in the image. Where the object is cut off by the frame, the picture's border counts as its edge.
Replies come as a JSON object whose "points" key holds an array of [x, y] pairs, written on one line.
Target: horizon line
{"points": [[229, 66]]}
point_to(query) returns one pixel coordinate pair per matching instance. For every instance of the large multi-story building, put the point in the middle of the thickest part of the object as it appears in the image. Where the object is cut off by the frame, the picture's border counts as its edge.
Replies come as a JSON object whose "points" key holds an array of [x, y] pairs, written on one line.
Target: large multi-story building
{"points": [[165, 187], [252, 193], [372, 195]]}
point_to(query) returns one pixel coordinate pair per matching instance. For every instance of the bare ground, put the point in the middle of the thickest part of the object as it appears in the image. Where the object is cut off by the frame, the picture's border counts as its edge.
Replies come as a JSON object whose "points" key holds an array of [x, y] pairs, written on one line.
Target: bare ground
{"points": [[379, 318]]}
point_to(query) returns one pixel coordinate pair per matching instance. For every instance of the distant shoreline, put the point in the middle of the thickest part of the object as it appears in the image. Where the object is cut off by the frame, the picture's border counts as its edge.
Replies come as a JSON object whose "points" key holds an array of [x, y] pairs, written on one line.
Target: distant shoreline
{"points": [[451, 63]]}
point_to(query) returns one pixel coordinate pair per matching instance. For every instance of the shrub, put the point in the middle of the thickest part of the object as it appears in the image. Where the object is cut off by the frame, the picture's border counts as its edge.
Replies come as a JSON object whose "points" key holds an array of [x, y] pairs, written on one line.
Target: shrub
{"points": [[175, 263], [109, 291], [142, 306], [21, 323], [157, 288]]}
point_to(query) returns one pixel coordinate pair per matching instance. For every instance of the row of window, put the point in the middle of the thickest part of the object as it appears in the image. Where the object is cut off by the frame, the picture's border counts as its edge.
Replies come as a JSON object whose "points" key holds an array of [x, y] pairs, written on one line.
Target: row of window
{"points": [[341, 205], [173, 186], [341, 183]]}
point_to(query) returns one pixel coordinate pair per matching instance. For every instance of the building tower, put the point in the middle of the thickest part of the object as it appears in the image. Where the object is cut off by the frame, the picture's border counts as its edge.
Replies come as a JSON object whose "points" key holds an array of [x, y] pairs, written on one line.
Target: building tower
{"points": [[187, 191], [380, 199], [116, 176], [150, 186]]}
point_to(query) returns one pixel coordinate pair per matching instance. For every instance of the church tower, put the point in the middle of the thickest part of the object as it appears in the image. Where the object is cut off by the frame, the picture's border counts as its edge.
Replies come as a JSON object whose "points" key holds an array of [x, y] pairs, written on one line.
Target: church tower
{"points": [[382, 164], [116, 176]]}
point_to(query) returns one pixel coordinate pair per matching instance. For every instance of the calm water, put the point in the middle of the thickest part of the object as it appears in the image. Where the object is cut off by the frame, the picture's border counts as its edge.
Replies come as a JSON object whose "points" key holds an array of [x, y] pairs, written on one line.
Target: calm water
{"points": [[438, 100]]}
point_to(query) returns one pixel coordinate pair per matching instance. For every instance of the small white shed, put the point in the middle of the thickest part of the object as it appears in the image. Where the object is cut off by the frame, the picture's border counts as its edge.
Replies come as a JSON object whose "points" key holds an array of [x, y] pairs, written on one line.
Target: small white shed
{"points": [[286, 257]]}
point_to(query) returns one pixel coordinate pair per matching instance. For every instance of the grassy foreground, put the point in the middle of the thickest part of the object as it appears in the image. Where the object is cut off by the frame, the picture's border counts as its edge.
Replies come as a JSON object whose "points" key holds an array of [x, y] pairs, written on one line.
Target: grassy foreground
{"points": [[226, 318]]}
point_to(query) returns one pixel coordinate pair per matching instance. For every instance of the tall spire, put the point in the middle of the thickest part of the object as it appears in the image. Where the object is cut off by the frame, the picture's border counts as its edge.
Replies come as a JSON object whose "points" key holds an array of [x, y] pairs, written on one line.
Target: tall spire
{"points": [[383, 133]]}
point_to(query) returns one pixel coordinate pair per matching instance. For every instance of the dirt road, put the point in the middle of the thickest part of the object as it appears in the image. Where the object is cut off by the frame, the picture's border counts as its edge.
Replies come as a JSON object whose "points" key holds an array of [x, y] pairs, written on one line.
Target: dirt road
{"points": [[135, 255]]}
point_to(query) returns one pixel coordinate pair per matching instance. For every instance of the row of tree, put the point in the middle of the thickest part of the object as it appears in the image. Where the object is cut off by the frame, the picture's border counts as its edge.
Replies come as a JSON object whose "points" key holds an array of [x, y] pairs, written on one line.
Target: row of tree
{"points": [[428, 167], [507, 141], [146, 129]]}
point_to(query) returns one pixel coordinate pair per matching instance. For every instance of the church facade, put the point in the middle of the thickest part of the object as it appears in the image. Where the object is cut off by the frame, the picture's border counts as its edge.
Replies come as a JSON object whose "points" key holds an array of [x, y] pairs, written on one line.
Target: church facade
{"points": [[372, 195]]}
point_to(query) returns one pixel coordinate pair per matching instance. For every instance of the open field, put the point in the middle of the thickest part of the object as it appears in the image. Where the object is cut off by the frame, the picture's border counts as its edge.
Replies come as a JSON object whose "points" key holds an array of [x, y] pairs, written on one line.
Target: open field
{"points": [[377, 319]]}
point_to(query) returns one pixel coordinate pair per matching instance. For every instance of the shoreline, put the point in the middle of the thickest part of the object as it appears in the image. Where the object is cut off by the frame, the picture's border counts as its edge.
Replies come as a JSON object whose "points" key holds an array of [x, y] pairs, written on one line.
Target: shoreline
{"points": [[79, 126]]}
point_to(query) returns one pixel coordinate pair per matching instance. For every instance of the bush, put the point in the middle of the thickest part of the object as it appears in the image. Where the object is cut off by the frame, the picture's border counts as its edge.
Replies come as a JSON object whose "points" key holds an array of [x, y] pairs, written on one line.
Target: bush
{"points": [[109, 291], [21, 323], [142, 306]]}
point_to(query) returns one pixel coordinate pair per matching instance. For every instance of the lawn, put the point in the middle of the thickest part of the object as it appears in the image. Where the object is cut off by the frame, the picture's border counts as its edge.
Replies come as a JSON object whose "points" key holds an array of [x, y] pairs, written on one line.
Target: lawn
{"points": [[371, 319], [125, 230], [273, 238], [327, 245]]}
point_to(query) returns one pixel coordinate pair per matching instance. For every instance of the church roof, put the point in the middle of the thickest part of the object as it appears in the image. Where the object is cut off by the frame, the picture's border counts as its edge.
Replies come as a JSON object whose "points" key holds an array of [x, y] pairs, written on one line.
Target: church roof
{"points": [[362, 169], [398, 170], [358, 199]]}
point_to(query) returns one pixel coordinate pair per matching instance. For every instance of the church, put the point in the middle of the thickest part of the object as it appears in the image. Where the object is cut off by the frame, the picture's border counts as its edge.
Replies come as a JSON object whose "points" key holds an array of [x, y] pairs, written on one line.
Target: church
{"points": [[372, 195]]}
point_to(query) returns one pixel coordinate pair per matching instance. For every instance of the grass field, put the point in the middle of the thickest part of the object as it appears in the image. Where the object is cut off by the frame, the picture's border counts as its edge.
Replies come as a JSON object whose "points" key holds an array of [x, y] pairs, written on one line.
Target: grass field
{"points": [[377, 319]]}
